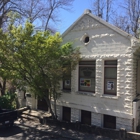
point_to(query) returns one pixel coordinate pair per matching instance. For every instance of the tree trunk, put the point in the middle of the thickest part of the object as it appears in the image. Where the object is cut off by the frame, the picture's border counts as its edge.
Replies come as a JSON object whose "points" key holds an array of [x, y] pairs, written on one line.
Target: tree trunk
{"points": [[3, 86], [50, 108], [55, 108]]}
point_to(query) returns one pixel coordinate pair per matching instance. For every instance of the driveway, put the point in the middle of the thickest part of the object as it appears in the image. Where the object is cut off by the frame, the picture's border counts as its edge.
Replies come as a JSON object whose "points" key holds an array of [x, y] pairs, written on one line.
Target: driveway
{"points": [[31, 130]]}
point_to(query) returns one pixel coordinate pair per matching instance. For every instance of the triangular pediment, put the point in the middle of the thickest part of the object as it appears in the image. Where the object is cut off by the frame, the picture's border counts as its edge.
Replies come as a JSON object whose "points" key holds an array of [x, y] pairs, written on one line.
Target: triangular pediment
{"points": [[86, 22]]}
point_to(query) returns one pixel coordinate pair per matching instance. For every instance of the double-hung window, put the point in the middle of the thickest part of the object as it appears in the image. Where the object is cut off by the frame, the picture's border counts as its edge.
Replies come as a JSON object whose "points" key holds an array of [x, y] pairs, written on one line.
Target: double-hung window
{"points": [[110, 77], [87, 76]]}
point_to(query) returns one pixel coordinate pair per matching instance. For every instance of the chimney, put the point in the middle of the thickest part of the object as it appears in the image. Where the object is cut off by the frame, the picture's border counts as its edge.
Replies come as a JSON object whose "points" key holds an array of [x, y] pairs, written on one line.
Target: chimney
{"points": [[87, 11], [100, 15]]}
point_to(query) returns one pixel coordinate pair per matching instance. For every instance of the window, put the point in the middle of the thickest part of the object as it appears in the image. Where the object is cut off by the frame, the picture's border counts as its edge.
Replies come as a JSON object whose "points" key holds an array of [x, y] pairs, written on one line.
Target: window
{"points": [[87, 76], [109, 121], [67, 79], [110, 77], [85, 117], [67, 84], [66, 114], [86, 40]]}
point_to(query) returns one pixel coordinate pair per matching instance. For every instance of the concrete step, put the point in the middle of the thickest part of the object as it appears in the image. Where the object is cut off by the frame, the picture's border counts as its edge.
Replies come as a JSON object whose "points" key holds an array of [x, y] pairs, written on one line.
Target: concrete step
{"points": [[34, 115], [29, 117]]}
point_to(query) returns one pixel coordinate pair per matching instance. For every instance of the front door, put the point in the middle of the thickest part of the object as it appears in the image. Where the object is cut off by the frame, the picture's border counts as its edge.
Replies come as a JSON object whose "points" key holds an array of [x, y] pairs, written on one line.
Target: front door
{"points": [[42, 105]]}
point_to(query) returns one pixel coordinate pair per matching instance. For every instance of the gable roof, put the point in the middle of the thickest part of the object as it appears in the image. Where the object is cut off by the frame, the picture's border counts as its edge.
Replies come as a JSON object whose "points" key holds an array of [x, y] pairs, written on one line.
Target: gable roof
{"points": [[100, 20]]}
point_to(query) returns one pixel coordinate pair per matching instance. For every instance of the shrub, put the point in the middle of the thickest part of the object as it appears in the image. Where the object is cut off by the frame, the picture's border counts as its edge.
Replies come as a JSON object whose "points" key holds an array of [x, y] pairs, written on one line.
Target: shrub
{"points": [[8, 101]]}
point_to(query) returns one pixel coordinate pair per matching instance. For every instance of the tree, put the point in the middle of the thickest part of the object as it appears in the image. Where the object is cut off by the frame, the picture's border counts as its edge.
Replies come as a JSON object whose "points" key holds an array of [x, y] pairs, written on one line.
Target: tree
{"points": [[53, 7], [7, 6], [38, 60], [43, 13], [128, 17], [4, 71], [121, 21], [31, 10], [17, 12], [132, 9], [102, 8]]}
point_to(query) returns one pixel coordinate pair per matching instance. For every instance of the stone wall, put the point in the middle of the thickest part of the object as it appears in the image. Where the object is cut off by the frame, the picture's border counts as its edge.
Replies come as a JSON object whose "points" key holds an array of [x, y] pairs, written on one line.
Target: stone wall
{"points": [[120, 134], [59, 112], [75, 115], [96, 119], [124, 123], [21, 100]]}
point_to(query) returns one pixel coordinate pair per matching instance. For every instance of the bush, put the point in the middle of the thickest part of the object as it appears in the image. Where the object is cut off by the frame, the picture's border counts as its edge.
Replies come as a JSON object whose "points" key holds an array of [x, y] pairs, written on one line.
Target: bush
{"points": [[8, 101]]}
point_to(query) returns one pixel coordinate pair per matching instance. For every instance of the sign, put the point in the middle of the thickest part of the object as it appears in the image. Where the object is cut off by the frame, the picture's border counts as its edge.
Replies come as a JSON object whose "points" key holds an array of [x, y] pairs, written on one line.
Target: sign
{"points": [[67, 82], [110, 85], [85, 82]]}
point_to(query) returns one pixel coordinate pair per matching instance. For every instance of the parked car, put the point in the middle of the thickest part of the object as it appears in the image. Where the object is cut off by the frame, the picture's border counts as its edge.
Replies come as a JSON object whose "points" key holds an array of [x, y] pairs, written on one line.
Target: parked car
{"points": [[7, 117]]}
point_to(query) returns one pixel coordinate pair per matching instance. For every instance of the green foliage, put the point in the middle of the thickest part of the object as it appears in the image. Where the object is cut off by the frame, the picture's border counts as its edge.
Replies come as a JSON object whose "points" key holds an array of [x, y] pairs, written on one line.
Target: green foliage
{"points": [[8, 101], [37, 59]]}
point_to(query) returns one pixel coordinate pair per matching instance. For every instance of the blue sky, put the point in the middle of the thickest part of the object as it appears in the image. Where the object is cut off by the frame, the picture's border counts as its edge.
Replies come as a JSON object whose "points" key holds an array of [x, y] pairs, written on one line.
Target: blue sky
{"points": [[78, 8], [67, 18]]}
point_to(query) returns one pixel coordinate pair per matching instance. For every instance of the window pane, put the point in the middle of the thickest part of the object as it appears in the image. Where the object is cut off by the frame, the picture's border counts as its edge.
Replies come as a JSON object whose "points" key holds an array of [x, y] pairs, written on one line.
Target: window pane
{"points": [[87, 71], [87, 84], [110, 86], [66, 114], [110, 77], [85, 117], [111, 62], [87, 76], [110, 72], [109, 121], [87, 63]]}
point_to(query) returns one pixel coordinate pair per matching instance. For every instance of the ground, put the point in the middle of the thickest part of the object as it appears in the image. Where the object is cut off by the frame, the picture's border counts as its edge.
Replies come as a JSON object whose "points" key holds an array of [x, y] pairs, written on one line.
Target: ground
{"points": [[31, 130]]}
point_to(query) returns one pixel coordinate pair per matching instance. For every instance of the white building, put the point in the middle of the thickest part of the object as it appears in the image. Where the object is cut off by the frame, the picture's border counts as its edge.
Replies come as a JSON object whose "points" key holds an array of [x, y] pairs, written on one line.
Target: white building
{"points": [[106, 81], [105, 84]]}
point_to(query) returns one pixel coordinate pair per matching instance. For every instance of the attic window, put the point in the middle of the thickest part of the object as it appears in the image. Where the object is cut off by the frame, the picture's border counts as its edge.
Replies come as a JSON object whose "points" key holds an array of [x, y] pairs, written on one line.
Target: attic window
{"points": [[86, 40]]}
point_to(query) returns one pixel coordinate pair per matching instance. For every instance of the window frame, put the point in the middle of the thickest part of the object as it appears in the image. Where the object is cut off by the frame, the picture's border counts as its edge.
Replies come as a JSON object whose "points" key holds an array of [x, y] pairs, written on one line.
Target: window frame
{"points": [[87, 65], [111, 79]]}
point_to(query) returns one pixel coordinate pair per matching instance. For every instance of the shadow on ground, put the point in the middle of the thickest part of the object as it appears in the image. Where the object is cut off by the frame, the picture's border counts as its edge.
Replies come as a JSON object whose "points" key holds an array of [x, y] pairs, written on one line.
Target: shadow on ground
{"points": [[29, 130], [23, 132]]}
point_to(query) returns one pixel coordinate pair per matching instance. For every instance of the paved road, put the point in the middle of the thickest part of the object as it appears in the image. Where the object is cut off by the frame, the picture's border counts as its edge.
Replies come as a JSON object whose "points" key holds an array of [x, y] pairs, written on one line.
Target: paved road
{"points": [[29, 130]]}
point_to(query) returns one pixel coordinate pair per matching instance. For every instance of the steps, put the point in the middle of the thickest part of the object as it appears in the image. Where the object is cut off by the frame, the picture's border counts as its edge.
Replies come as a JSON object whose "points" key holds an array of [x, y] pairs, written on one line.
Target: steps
{"points": [[34, 115], [25, 116]]}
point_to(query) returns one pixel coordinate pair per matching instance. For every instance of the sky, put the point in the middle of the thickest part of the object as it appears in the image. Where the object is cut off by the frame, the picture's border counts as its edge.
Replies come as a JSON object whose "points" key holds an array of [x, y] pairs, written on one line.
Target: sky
{"points": [[68, 17], [78, 8]]}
